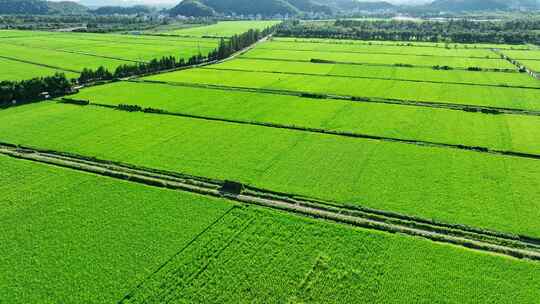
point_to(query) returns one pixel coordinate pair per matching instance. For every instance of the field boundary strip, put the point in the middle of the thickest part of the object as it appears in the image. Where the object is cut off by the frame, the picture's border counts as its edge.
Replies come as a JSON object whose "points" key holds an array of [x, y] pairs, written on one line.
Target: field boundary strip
{"points": [[39, 64], [421, 143], [460, 235], [396, 65], [321, 96], [375, 53], [371, 77]]}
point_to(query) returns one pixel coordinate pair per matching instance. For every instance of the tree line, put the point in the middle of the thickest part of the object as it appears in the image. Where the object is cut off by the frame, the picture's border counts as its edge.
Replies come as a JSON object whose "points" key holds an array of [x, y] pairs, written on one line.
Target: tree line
{"points": [[226, 48], [35, 89], [457, 31]]}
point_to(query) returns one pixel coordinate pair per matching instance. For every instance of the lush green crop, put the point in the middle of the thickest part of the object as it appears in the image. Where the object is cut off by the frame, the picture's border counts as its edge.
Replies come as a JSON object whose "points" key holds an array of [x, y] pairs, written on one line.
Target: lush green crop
{"points": [[256, 256], [95, 239], [70, 237], [403, 73], [516, 98], [15, 70], [57, 59], [502, 132], [76, 51], [224, 28], [476, 189], [377, 48], [409, 43], [118, 46], [532, 64], [523, 54], [391, 59]]}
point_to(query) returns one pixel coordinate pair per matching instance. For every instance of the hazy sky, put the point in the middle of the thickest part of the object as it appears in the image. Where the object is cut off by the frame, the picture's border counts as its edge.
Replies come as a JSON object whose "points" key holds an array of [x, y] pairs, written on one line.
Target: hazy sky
{"points": [[176, 1]]}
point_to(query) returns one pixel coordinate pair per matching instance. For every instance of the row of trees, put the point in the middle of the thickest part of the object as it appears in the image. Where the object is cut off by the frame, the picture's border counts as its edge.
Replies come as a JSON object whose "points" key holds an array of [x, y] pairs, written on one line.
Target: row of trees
{"points": [[225, 49], [35, 89], [451, 31]]}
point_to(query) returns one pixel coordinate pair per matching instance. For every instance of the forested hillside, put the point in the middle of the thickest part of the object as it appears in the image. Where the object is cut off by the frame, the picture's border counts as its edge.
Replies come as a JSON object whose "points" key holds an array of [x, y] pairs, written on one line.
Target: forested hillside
{"points": [[39, 7]]}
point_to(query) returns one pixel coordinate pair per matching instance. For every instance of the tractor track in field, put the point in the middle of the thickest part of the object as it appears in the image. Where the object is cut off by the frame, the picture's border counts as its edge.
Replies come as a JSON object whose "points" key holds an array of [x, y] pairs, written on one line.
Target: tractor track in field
{"points": [[421, 143], [460, 235], [371, 77], [322, 96]]}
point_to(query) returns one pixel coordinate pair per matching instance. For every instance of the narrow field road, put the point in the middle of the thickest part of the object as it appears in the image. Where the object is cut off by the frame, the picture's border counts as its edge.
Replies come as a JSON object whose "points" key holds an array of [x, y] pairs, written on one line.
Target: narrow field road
{"points": [[473, 238]]}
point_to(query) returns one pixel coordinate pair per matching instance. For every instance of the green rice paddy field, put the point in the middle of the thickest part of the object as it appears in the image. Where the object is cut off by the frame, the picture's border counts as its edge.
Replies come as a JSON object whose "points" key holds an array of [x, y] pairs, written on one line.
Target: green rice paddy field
{"points": [[72, 52], [502, 97], [22, 71], [380, 49], [382, 72], [63, 246], [384, 59], [499, 132], [73, 237], [408, 43], [381, 175], [223, 28]]}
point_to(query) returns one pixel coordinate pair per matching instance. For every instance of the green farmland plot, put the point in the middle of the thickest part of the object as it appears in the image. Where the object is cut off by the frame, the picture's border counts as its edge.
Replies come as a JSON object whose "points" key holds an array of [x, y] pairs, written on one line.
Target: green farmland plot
{"points": [[70, 237], [72, 52], [381, 59], [262, 256], [377, 49], [531, 64], [384, 72], [501, 132], [118, 46], [57, 59], [95, 240], [523, 55], [16, 70], [17, 33], [224, 28], [429, 182], [514, 98], [407, 43]]}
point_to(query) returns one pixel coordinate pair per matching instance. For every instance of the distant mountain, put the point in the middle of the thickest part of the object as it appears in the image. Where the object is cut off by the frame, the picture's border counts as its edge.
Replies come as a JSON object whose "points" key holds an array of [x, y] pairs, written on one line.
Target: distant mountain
{"points": [[66, 8], [482, 5], [121, 10], [40, 7], [192, 8], [273, 7]]}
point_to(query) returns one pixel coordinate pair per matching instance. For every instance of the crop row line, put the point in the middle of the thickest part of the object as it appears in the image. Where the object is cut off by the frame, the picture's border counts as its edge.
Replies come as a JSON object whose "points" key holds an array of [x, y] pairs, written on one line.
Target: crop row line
{"points": [[398, 65], [322, 96], [422, 143], [374, 53], [39, 64], [470, 237], [374, 78]]}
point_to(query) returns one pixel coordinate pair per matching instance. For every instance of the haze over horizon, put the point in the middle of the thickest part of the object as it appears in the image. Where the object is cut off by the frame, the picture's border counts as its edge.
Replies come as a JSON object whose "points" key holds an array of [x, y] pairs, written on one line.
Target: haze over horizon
{"points": [[177, 1]]}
